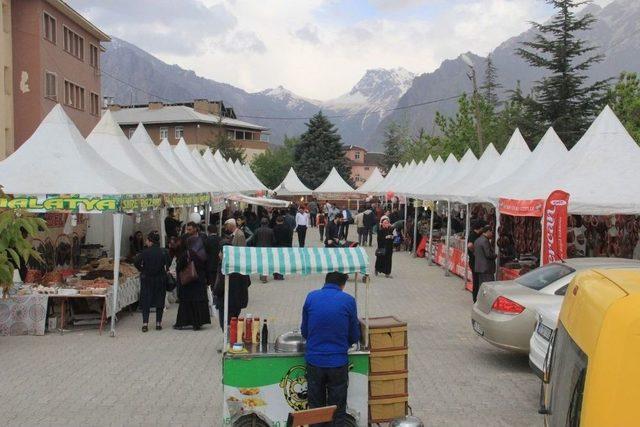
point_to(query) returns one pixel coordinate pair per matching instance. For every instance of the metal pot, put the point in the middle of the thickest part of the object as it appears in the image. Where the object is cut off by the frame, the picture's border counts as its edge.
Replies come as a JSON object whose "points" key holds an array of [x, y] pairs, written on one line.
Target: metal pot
{"points": [[290, 342], [409, 421]]}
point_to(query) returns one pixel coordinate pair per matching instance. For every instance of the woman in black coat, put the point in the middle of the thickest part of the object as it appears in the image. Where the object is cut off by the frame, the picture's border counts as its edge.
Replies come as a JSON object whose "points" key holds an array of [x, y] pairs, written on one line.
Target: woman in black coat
{"points": [[193, 308], [153, 264], [384, 253]]}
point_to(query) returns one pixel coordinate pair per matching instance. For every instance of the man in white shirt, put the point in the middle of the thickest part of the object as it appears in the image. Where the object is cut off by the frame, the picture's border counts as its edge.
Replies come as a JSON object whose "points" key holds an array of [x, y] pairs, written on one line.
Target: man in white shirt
{"points": [[302, 222]]}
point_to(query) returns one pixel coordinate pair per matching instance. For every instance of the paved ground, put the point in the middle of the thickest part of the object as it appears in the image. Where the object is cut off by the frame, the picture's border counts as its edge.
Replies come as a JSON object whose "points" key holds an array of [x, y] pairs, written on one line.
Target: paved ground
{"points": [[172, 377]]}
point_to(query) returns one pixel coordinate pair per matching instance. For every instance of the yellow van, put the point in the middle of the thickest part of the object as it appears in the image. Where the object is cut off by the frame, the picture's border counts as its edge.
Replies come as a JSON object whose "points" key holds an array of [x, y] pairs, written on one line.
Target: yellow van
{"points": [[593, 366]]}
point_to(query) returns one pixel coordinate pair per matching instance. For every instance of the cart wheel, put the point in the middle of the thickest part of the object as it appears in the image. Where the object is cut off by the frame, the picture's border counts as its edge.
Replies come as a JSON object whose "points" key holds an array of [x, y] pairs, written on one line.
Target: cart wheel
{"points": [[251, 420], [350, 421]]}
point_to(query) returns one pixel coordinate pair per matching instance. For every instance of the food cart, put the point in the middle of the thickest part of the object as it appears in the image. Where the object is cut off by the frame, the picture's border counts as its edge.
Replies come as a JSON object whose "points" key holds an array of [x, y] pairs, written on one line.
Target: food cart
{"points": [[262, 386]]}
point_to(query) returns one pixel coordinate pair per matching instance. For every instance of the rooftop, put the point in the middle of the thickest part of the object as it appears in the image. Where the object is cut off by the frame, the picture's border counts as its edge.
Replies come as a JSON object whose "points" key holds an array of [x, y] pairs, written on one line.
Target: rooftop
{"points": [[64, 8]]}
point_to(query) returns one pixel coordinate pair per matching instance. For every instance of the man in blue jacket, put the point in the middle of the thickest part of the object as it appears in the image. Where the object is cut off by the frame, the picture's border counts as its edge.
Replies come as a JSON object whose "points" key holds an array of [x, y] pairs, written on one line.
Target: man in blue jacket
{"points": [[330, 325]]}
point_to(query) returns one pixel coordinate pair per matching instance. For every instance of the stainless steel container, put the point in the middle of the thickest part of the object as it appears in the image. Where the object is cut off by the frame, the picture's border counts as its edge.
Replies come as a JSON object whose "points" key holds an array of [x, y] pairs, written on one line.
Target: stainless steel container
{"points": [[409, 421], [290, 342]]}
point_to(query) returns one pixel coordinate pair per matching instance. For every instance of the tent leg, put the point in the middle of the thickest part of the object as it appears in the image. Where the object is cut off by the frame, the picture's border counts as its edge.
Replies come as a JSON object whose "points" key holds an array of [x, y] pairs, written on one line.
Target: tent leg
{"points": [[207, 214], [541, 240], [117, 239], [415, 228], [366, 314], [467, 225], [220, 223], [163, 231], [430, 254], [496, 248], [447, 267], [406, 210], [225, 338]]}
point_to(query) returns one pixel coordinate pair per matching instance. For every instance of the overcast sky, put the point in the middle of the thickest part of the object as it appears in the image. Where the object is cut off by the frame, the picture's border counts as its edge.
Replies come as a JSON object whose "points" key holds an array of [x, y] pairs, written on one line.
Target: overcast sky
{"points": [[315, 48]]}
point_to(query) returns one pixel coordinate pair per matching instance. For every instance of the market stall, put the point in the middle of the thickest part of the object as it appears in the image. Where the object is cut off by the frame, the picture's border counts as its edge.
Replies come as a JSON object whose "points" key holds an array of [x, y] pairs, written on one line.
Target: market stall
{"points": [[292, 186], [335, 187], [261, 381]]}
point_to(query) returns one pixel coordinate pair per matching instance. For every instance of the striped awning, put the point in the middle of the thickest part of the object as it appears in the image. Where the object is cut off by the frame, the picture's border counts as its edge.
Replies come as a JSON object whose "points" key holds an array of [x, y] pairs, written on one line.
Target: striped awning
{"points": [[266, 261]]}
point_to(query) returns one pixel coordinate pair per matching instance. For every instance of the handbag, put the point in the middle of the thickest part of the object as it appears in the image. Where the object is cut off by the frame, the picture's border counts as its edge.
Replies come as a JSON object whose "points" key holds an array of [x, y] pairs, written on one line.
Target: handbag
{"points": [[381, 252], [189, 274]]}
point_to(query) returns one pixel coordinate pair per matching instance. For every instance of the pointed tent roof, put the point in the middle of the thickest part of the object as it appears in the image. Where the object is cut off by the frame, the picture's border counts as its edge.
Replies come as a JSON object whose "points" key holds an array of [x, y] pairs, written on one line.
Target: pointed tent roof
{"points": [[334, 186], [389, 175], [602, 170], [233, 170], [243, 174], [252, 176], [223, 167], [466, 164], [142, 143], [436, 179], [212, 174], [182, 152], [292, 186], [113, 146], [459, 191], [374, 179], [167, 152], [57, 160], [422, 175], [530, 180], [227, 183]]}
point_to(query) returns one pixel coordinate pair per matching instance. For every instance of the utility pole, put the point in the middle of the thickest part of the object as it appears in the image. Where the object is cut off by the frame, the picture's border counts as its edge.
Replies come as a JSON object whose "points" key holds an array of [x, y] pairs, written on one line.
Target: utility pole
{"points": [[476, 99]]}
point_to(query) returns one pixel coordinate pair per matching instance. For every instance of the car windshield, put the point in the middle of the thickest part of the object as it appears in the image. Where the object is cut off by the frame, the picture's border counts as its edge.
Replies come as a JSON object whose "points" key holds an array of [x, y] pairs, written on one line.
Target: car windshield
{"points": [[544, 276]]}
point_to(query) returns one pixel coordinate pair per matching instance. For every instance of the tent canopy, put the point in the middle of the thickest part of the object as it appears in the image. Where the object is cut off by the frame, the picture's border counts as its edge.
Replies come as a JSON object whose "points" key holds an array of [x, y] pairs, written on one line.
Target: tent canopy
{"points": [[374, 180], [439, 182], [292, 186], [334, 186], [304, 261], [57, 160], [182, 152], [438, 178], [461, 190], [170, 156], [260, 201]]}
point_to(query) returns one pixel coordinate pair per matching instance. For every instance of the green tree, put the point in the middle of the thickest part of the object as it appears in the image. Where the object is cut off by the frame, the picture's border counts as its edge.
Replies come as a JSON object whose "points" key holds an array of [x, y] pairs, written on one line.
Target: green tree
{"points": [[563, 99], [15, 227], [624, 99], [518, 112], [396, 139], [272, 166], [459, 132], [420, 147], [320, 150], [227, 147], [491, 84]]}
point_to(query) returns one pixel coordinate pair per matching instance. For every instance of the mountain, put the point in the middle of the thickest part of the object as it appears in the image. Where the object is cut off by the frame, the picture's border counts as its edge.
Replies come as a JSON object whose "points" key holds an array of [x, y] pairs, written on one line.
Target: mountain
{"points": [[616, 32], [124, 65]]}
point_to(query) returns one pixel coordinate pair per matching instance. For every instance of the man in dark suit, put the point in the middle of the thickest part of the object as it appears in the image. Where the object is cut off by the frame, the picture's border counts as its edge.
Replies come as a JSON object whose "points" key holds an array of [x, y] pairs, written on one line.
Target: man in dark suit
{"points": [[476, 231], [485, 262], [283, 239], [332, 233], [212, 248], [264, 238]]}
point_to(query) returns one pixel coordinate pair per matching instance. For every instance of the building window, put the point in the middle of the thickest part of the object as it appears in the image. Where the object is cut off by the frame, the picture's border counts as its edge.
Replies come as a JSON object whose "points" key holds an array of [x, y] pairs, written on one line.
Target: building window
{"points": [[164, 133], [73, 95], [49, 28], [179, 132], [6, 18], [231, 135], [73, 44], [93, 55], [264, 137], [366, 168], [357, 155], [7, 80], [50, 86], [95, 104]]}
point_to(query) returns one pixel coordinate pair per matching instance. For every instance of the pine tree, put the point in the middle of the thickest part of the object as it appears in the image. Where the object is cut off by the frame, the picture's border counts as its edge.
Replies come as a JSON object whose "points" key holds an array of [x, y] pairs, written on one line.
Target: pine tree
{"points": [[420, 147], [396, 138], [273, 165], [518, 112], [226, 146], [624, 99], [320, 150], [491, 85], [563, 99]]}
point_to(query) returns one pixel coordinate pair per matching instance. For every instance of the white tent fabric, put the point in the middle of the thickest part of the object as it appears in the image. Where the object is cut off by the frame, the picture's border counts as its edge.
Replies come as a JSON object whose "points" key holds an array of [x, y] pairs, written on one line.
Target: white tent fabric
{"points": [[228, 185], [440, 181], [238, 178], [260, 201], [531, 180], [212, 174], [601, 174], [374, 180], [240, 171], [390, 184], [170, 156], [390, 175], [253, 179], [292, 186], [334, 185], [57, 160], [442, 175], [409, 179], [459, 191], [143, 144], [223, 167], [115, 149], [425, 173], [182, 152]]}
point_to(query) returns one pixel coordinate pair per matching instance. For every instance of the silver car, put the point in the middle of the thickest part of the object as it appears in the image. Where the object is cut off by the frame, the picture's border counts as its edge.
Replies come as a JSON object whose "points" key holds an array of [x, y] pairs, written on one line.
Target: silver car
{"points": [[505, 313]]}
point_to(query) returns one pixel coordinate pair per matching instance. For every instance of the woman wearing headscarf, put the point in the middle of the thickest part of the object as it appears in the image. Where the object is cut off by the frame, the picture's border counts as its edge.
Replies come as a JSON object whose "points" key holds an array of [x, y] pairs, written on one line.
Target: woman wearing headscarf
{"points": [[153, 264], [384, 252], [193, 308]]}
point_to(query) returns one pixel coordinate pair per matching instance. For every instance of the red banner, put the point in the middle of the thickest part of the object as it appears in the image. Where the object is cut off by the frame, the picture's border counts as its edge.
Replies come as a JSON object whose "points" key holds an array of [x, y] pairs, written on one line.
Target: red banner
{"points": [[554, 228], [521, 207]]}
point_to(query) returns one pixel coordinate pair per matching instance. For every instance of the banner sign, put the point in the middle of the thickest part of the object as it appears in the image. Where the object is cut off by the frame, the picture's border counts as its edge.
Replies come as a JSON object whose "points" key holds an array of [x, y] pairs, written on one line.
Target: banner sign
{"points": [[554, 227], [81, 204], [521, 207], [182, 200], [218, 204]]}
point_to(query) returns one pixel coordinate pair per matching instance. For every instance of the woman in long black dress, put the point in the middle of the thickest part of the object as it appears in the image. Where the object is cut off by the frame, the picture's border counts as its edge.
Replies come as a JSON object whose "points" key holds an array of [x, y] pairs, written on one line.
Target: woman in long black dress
{"points": [[384, 253], [193, 308], [153, 263]]}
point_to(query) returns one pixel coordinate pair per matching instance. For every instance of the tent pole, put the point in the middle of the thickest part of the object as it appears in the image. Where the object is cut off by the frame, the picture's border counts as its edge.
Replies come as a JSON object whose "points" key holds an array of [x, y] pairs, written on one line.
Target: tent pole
{"points": [[220, 223], [447, 267], [406, 210], [117, 241], [496, 248], [207, 214], [430, 254], [467, 225], [415, 227], [366, 313], [163, 231], [541, 240], [225, 338]]}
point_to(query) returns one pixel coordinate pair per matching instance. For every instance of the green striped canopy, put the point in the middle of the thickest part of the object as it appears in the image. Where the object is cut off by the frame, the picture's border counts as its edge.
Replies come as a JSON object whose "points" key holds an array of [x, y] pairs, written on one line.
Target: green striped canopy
{"points": [[266, 261]]}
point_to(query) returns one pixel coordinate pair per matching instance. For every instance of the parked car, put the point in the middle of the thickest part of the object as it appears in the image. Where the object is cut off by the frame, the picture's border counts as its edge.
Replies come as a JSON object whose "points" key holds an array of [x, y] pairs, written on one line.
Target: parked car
{"points": [[505, 312], [592, 372], [542, 333]]}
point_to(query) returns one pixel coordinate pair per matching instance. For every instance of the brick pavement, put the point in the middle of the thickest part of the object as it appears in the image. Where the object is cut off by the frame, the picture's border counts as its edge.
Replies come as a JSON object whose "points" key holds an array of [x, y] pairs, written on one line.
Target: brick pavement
{"points": [[172, 377]]}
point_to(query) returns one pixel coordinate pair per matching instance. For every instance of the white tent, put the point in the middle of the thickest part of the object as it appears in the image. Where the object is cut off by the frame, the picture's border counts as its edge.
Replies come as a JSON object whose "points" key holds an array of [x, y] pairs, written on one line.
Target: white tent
{"points": [[334, 186], [374, 180], [602, 172], [390, 183], [115, 149], [237, 166], [410, 177], [228, 185], [221, 165], [142, 143], [459, 191], [292, 186], [213, 175], [441, 180], [531, 180], [252, 176], [442, 175], [167, 152], [182, 152]]}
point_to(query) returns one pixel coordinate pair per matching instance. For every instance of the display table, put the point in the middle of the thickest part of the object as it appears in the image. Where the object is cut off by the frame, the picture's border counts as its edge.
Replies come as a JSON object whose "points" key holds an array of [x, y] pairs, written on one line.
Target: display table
{"points": [[128, 293], [23, 314]]}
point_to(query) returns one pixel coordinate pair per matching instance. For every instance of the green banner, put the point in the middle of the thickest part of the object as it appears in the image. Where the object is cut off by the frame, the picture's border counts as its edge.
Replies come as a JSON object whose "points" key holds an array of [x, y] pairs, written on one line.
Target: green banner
{"points": [[75, 203], [180, 200]]}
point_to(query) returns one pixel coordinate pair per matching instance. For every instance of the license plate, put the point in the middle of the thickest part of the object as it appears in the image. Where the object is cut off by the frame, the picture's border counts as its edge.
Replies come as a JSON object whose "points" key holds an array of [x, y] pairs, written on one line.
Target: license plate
{"points": [[544, 331], [477, 327]]}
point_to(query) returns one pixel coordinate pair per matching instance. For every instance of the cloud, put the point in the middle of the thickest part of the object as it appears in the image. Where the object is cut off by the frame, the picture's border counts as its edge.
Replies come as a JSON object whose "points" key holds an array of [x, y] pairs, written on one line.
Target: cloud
{"points": [[400, 4], [242, 42], [308, 33]]}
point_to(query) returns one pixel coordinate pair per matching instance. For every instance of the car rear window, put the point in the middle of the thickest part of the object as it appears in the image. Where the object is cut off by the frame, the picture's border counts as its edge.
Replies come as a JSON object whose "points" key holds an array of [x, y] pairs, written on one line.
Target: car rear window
{"points": [[544, 276]]}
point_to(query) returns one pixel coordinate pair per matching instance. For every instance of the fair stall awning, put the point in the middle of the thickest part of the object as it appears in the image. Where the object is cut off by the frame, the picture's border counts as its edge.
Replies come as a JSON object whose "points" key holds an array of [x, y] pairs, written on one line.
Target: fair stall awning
{"points": [[292, 186], [166, 150], [374, 180], [227, 183], [183, 153], [259, 201], [442, 175], [440, 181], [460, 190], [334, 186]]}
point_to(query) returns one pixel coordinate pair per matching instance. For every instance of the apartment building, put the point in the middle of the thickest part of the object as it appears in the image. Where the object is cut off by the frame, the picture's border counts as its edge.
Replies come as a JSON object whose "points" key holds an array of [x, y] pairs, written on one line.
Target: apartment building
{"points": [[362, 163], [55, 54], [199, 122]]}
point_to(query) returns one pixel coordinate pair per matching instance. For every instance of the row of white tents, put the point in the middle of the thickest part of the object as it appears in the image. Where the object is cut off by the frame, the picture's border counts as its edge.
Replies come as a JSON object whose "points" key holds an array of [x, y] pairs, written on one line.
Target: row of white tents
{"points": [[334, 186]]}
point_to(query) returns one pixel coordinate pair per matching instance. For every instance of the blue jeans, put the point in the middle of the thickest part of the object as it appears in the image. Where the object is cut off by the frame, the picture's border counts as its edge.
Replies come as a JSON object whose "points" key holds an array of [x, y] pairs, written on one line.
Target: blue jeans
{"points": [[327, 387]]}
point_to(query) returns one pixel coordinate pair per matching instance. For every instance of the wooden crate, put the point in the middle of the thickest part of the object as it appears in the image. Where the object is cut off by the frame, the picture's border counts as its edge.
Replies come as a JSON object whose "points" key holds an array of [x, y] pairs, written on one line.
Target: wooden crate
{"points": [[388, 361], [388, 409], [389, 385], [386, 333]]}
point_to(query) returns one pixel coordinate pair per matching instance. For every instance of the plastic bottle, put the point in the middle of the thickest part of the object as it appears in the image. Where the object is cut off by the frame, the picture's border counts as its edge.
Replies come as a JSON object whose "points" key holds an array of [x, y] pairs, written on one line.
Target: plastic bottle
{"points": [[255, 332], [233, 330], [240, 333], [248, 329], [264, 337]]}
